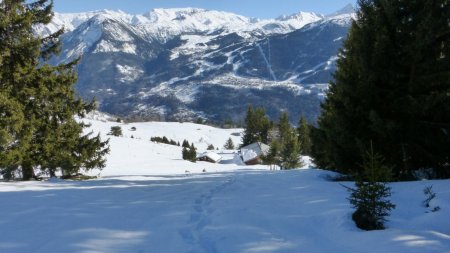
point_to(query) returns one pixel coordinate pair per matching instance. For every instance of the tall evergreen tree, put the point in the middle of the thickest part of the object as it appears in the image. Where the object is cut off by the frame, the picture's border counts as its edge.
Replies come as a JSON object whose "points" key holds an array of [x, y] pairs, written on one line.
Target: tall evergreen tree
{"points": [[272, 158], [11, 122], [49, 138], [257, 126], [285, 149], [185, 144], [304, 136], [290, 151], [284, 127], [391, 87]]}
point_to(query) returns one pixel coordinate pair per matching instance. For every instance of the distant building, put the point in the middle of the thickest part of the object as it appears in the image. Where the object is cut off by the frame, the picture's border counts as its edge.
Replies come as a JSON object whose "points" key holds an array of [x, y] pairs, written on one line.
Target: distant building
{"points": [[209, 157], [251, 154]]}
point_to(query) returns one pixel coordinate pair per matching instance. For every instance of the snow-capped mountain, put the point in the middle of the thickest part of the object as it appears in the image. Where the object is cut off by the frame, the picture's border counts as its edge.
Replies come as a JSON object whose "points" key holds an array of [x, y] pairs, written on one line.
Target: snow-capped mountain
{"points": [[164, 23], [189, 63]]}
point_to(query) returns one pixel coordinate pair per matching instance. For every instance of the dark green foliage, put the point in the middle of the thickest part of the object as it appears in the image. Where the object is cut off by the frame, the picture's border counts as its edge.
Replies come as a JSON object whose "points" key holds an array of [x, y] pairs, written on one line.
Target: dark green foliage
{"points": [[273, 156], [257, 126], [49, 139], [369, 198], [210, 147], [229, 145], [199, 121], [391, 86], [185, 153], [304, 136], [284, 127], [11, 122], [164, 140], [290, 151], [189, 153], [185, 144], [115, 131], [285, 148]]}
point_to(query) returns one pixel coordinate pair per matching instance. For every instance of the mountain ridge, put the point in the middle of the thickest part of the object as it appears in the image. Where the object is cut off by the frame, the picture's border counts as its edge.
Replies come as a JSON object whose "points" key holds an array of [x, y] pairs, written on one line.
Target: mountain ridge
{"points": [[198, 63]]}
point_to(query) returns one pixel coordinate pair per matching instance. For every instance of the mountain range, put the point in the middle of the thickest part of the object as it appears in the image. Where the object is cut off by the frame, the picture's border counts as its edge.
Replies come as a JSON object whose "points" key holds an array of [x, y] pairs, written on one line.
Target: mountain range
{"points": [[185, 64]]}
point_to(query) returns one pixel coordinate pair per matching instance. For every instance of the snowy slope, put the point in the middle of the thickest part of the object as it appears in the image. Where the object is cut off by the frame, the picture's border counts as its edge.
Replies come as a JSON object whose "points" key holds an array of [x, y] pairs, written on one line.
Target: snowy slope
{"points": [[144, 202], [247, 211], [135, 154]]}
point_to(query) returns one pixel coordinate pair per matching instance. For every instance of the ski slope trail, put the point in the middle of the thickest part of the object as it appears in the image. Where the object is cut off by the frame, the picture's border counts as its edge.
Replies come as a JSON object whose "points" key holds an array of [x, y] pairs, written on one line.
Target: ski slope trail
{"points": [[240, 211]]}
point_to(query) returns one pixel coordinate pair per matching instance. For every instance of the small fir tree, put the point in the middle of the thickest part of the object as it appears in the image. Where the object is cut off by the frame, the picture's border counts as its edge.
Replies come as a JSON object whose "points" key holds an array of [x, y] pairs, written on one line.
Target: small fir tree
{"points": [[185, 144], [370, 197], [115, 131], [189, 153], [229, 145], [185, 153], [290, 151], [192, 153], [210, 147]]}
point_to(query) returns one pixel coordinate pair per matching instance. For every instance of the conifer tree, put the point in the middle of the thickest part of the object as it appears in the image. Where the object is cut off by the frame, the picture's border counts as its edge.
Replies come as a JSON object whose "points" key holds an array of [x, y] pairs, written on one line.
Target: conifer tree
{"points": [[185, 144], [284, 127], [11, 122], [185, 153], [290, 151], [229, 145], [370, 197], [272, 158], [391, 86], [44, 93], [192, 153], [304, 136], [115, 131], [257, 126]]}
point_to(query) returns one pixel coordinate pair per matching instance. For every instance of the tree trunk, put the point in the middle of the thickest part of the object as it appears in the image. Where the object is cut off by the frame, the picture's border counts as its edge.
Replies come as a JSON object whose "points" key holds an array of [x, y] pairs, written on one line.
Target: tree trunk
{"points": [[52, 172], [27, 172]]}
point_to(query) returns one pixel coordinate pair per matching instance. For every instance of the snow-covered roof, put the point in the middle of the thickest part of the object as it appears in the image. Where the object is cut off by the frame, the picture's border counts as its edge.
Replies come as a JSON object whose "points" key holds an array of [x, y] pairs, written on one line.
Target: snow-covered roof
{"points": [[254, 150], [211, 155]]}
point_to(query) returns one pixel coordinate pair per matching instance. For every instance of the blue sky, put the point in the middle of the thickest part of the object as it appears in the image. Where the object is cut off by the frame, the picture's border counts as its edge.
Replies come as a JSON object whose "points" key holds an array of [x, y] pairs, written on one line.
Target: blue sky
{"points": [[250, 8]]}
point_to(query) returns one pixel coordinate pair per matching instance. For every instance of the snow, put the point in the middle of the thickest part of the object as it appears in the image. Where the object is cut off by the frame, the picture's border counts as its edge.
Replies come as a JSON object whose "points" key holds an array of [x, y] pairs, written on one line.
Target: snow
{"points": [[105, 46], [267, 61], [193, 44], [213, 156], [248, 155], [129, 73], [145, 201], [163, 24]]}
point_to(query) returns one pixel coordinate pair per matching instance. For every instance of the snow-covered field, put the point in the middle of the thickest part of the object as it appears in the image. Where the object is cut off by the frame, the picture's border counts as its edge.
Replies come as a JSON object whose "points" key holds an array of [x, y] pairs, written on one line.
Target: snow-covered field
{"points": [[145, 202]]}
